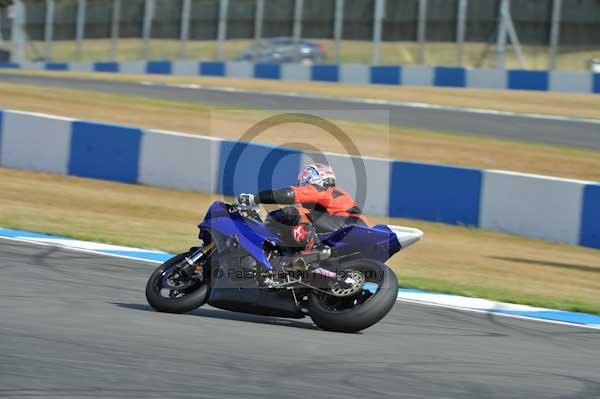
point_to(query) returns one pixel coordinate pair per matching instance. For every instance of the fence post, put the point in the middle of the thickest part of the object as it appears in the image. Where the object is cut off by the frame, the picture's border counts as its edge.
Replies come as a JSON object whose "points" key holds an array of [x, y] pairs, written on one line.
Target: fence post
{"points": [[338, 25], [49, 30], [18, 37], [514, 39], [501, 39], [460, 31], [80, 29], [377, 22], [222, 29], [114, 31], [554, 33], [297, 27], [186, 10], [421, 31], [258, 19], [147, 28]]}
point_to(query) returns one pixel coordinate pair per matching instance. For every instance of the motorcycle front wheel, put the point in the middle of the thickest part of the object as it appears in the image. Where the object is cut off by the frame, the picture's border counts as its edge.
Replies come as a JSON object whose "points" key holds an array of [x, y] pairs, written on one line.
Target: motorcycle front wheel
{"points": [[169, 290], [361, 310]]}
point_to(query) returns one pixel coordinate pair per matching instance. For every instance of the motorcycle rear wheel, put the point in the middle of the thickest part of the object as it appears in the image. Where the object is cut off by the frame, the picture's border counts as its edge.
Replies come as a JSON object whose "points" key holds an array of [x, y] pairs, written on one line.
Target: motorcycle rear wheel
{"points": [[361, 310], [193, 295]]}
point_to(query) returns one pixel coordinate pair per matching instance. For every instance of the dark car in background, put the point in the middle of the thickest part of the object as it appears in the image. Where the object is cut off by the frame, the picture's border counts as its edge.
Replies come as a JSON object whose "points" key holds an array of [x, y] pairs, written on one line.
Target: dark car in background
{"points": [[284, 49]]}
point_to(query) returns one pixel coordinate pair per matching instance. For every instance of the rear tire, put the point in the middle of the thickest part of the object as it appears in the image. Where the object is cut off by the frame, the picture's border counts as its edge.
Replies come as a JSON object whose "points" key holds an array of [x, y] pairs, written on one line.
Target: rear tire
{"points": [[362, 315], [190, 301]]}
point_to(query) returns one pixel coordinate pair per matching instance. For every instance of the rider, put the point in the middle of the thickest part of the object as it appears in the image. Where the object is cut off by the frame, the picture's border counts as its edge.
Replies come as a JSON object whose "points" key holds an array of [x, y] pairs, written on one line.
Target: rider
{"points": [[318, 206]]}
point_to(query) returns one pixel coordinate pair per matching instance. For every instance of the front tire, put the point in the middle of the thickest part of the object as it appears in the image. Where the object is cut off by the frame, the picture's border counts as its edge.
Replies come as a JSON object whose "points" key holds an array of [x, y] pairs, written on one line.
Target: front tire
{"points": [[361, 310], [176, 301]]}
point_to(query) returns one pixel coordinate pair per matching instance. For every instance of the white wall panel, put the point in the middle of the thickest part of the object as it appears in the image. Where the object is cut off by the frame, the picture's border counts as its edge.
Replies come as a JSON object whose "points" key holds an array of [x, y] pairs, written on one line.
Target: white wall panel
{"points": [[531, 205], [34, 65], [186, 68], [132, 67], [580, 82], [295, 72], [355, 73], [81, 67], [179, 161], [486, 78], [239, 69], [417, 75], [35, 142]]}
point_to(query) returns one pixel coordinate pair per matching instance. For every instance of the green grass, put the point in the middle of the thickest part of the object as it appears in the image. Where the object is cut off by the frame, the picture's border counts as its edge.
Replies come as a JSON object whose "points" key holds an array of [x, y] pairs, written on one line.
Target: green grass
{"points": [[502, 294]]}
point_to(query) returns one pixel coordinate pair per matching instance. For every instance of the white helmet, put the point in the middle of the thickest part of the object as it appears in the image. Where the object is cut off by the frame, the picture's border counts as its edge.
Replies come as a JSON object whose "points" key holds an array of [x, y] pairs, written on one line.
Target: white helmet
{"points": [[318, 174]]}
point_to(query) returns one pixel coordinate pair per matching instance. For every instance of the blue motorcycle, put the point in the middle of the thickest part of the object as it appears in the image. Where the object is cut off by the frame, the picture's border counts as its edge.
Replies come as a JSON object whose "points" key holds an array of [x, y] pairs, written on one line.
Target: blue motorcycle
{"points": [[243, 265]]}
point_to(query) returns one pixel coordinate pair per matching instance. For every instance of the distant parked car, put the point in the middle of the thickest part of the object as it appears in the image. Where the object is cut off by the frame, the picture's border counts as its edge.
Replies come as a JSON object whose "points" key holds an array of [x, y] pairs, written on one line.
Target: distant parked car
{"points": [[283, 49]]}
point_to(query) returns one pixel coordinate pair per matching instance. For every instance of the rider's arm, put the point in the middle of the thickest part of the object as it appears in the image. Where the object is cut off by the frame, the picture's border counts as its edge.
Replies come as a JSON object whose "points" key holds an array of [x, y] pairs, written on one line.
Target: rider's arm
{"points": [[290, 195], [310, 194], [278, 196]]}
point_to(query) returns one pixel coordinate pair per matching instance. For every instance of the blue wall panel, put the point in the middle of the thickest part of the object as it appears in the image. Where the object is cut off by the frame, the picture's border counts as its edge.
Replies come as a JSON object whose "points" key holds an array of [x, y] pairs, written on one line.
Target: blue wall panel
{"points": [[387, 75], [249, 167], [106, 152], [325, 73], [106, 66], [590, 217], [528, 80], [56, 66], [434, 192], [267, 71], [449, 77], [11, 65], [596, 83], [159, 67], [210, 68]]}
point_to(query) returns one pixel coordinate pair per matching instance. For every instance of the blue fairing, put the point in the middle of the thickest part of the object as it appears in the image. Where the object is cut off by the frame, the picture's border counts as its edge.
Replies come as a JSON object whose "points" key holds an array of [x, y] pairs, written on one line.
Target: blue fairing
{"points": [[377, 242], [250, 233]]}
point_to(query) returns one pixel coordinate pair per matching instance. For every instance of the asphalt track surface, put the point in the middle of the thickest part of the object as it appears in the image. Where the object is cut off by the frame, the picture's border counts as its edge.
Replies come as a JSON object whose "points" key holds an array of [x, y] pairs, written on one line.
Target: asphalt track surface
{"points": [[75, 324], [561, 131]]}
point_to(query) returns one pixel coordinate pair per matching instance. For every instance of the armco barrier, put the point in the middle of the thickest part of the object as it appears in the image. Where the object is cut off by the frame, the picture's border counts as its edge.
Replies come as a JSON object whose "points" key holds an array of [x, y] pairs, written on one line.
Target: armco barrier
{"points": [[407, 75], [529, 205]]}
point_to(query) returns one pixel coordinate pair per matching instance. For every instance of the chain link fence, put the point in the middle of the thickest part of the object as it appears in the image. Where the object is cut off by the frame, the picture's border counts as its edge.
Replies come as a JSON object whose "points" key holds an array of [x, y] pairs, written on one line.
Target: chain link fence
{"points": [[541, 34]]}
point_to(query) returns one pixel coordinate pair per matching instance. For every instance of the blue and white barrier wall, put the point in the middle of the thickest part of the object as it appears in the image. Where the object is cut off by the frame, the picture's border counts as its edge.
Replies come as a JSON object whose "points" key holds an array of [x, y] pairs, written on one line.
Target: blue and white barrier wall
{"points": [[529, 205], [407, 75]]}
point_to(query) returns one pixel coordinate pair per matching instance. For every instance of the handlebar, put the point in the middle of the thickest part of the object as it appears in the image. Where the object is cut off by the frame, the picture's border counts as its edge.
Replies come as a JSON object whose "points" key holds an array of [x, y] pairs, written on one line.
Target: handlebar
{"points": [[248, 212]]}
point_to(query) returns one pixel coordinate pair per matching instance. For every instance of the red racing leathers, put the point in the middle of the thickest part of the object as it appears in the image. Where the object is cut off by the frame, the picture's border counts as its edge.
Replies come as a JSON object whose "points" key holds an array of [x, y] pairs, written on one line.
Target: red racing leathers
{"points": [[316, 209]]}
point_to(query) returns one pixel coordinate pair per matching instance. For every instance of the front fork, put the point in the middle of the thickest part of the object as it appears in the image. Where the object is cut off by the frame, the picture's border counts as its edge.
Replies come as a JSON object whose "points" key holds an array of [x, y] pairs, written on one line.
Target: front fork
{"points": [[197, 258]]}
